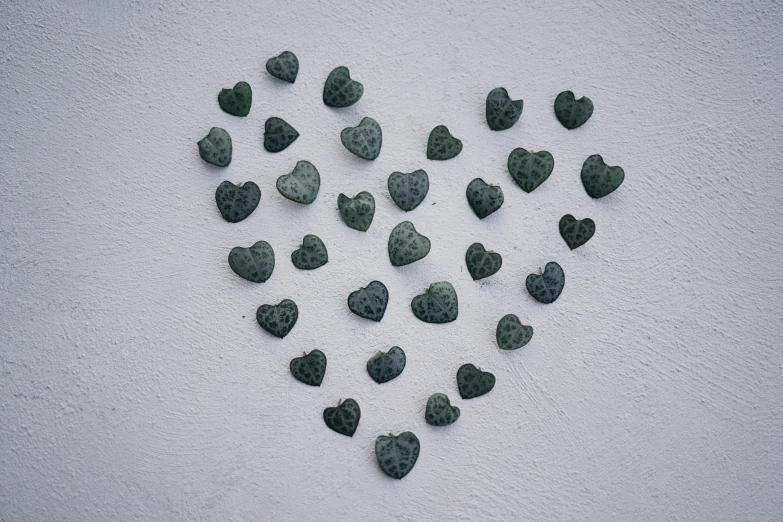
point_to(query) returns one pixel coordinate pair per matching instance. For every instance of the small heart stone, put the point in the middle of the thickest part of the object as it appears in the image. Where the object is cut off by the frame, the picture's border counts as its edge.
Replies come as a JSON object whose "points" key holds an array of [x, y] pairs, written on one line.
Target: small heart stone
{"points": [[481, 263], [236, 202], [484, 199], [441, 145], [278, 134], [599, 179], [215, 147], [502, 111], [406, 245], [385, 366], [472, 382], [511, 334], [530, 169], [311, 255], [357, 212], [576, 232], [285, 66], [408, 190], [364, 140], [439, 411], [546, 288], [370, 301], [278, 319], [397, 455], [254, 263], [437, 305], [340, 90], [310, 368], [572, 113], [344, 419], [236, 101], [302, 184]]}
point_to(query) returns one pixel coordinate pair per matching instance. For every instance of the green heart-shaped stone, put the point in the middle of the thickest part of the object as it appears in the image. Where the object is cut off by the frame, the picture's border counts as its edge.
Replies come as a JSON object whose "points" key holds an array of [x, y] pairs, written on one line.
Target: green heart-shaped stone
{"points": [[546, 287], [599, 179], [278, 319], [481, 263], [472, 382], [502, 111], [406, 245], [311, 255], [370, 301], [530, 169], [285, 66], [278, 134], [511, 334], [484, 199], [439, 411], [215, 147], [385, 366], [236, 101], [302, 184], [340, 90], [408, 190], [357, 212], [397, 454], [364, 140], [236, 202], [344, 419], [572, 113], [254, 263], [441, 145], [437, 305], [310, 368], [576, 232]]}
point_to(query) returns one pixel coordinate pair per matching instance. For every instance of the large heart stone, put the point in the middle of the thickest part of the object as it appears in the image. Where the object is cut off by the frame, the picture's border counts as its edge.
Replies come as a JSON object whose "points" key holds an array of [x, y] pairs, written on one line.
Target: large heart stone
{"points": [[236, 202], [437, 305], [484, 199], [254, 263], [370, 301], [441, 145], [385, 366], [364, 140], [215, 147], [576, 232], [236, 101], [408, 190], [302, 184], [546, 288], [311, 255], [340, 90], [530, 169], [397, 454], [285, 66], [511, 334], [310, 368], [481, 263], [357, 212], [439, 411], [278, 134], [502, 111], [598, 178], [278, 319], [344, 419], [572, 113], [472, 382], [406, 245]]}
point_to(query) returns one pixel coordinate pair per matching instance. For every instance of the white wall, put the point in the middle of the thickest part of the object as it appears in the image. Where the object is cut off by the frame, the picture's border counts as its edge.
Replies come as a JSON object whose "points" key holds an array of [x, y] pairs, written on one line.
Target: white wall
{"points": [[135, 383]]}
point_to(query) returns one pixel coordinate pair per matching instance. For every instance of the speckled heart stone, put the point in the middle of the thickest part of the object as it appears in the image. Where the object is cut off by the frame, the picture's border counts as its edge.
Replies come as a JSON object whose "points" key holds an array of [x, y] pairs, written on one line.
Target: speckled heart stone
{"points": [[385, 366], [530, 169], [572, 113], [236, 101], [408, 190], [441, 145], [310, 368], [406, 245], [215, 147], [397, 454], [311, 255], [439, 411], [512, 334], [369, 301], [599, 179], [340, 90], [547, 287], [344, 419], [437, 305], [278, 134], [481, 263], [364, 140], [254, 263], [236, 202], [502, 111], [302, 184], [576, 232], [484, 199], [357, 212], [278, 319], [473, 383], [284, 67]]}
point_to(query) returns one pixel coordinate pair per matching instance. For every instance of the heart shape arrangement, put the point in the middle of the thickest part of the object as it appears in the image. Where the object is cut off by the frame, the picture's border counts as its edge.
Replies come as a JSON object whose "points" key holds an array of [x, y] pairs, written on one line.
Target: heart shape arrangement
{"points": [[407, 246], [236, 101], [530, 169], [439, 411], [278, 134], [572, 113], [385, 366], [546, 287], [473, 383], [441, 145], [502, 111], [357, 212], [484, 199], [285, 66], [437, 305], [481, 263], [254, 263], [364, 140], [576, 232], [408, 190], [340, 90], [599, 179], [344, 419], [215, 147], [236, 202], [278, 319], [511, 334], [310, 368], [397, 454], [302, 184], [369, 301], [311, 255]]}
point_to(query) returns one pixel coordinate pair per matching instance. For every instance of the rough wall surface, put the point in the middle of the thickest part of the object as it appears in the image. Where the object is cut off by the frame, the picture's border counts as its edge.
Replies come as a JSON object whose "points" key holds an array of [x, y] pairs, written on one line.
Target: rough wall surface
{"points": [[135, 383]]}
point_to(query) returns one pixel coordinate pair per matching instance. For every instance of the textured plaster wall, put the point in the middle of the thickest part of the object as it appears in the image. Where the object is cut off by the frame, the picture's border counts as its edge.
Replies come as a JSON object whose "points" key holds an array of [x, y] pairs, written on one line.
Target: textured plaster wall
{"points": [[135, 383]]}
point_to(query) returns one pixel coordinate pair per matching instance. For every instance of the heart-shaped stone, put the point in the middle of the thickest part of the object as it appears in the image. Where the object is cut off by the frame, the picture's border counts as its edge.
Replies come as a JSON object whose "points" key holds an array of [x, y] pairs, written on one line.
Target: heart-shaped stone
{"points": [[472, 382], [439, 411], [385, 366], [344, 419], [369, 301], [215, 147], [309, 368], [546, 287], [484, 199], [406, 245], [236, 202], [511, 334], [502, 111], [441, 145], [437, 305], [278, 134], [302, 184], [357, 212], [530, 169], [576, 232], [285, 66], [236, 101], [340, 90], [311, 255], [397, 454], [481, 263], [364, 140], [278, 319], [600, 179], [571, 112], [254, 263], [408, 190]]}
